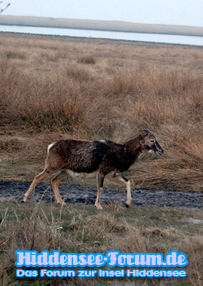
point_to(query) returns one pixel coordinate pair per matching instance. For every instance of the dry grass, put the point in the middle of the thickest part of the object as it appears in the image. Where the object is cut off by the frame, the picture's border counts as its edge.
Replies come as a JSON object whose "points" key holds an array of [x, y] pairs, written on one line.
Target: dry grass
{"points": [[53, 88], [82, 229]]}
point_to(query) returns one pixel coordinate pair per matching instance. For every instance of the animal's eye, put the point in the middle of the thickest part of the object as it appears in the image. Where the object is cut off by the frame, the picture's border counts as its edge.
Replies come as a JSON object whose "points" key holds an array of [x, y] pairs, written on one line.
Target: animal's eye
{"points": [[152, 141]]}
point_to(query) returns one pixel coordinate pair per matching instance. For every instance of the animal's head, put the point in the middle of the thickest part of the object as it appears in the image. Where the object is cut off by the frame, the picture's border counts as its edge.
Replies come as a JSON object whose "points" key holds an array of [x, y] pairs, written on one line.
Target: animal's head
{"points": [[149, 142]]}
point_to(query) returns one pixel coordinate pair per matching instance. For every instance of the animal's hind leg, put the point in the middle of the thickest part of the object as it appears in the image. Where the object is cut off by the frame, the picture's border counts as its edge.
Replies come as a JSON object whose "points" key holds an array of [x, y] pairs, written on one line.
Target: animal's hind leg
{"points": [[100, 182], [37, 179], [55, 181], [124, 180]]}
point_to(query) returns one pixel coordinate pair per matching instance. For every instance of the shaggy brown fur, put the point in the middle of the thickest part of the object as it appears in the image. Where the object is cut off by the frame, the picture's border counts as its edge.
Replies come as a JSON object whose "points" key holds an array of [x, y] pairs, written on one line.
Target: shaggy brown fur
{"points": [[89, 156]]}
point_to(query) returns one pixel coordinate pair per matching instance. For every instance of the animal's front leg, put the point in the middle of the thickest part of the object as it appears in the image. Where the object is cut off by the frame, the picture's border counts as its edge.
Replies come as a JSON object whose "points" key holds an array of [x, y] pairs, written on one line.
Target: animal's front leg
{"points": [[100, 183], [128, 188], [129, 197]]}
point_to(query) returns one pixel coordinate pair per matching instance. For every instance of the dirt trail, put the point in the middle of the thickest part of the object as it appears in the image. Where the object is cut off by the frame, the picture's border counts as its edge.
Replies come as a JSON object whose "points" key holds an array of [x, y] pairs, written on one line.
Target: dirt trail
{"points": [[14, 191]]}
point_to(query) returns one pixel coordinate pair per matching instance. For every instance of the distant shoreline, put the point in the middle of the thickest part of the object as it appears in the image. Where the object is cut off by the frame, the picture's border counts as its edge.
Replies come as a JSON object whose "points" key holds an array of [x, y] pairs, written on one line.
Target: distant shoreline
{"points": [[113, 26]]}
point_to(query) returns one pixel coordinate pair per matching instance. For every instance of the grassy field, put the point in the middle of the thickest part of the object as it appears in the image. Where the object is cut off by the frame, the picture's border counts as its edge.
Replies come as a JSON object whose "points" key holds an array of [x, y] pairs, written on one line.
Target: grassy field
{"points": [[52, 88], [83, 229]]}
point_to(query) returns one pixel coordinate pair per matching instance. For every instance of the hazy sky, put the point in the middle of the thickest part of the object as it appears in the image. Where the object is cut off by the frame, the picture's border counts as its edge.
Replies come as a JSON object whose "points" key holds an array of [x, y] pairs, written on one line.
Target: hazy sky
{"points": [[176, 12]]}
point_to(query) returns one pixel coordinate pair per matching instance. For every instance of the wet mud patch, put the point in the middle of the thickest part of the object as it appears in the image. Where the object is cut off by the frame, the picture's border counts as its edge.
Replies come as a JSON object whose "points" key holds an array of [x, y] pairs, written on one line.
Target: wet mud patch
{"points": [[14, 191]]}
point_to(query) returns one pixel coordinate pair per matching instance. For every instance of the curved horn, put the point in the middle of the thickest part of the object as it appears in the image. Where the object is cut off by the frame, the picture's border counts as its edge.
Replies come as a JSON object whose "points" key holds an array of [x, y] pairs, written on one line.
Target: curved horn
{"points": [[146, 133]]}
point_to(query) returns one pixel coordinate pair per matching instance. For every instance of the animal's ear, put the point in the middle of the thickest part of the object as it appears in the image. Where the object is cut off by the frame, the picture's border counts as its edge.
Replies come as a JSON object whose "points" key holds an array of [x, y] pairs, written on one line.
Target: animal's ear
{"points": [[146, 133]]}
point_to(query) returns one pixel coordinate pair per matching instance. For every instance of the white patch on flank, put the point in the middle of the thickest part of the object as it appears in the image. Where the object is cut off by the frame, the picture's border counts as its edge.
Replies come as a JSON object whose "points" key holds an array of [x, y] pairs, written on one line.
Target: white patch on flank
{"points": [[75, 175], [104, 141]]}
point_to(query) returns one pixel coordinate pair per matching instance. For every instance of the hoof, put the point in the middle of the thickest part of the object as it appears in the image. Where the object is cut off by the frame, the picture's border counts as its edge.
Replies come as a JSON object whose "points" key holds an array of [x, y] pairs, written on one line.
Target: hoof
{"points": [[99, 207], [127, 206]]}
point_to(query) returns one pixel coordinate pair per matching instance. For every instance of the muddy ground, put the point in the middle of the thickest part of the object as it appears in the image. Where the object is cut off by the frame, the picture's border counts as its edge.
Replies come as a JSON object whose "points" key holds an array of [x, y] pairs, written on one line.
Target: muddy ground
{"points": [[14, 191]]}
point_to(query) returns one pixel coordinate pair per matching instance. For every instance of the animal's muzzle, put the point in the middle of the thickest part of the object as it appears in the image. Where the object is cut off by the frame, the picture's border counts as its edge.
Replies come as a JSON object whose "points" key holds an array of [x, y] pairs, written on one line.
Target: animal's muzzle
{"points": [[160, 152]]}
